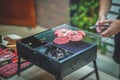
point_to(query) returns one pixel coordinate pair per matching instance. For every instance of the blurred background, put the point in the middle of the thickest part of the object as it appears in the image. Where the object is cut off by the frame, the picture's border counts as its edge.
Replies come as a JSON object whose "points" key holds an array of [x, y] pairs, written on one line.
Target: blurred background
{"points": [[28, 17]]}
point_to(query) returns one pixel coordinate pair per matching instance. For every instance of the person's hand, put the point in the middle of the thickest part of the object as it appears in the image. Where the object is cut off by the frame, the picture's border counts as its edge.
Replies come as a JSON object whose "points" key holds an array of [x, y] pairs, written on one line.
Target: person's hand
{"points": [[100, 21], [114, 27]]}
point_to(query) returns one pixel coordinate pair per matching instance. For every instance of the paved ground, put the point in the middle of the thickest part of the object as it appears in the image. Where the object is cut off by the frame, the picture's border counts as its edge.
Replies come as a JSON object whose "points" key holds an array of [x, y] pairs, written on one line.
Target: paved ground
{"points": [[35, 73], [106, 64]]}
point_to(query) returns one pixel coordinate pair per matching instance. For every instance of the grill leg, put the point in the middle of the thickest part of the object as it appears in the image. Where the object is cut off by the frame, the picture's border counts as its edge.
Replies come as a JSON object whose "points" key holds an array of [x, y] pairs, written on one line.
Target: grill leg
{"points": [[58, 78], [96, 70], [119, 73]]}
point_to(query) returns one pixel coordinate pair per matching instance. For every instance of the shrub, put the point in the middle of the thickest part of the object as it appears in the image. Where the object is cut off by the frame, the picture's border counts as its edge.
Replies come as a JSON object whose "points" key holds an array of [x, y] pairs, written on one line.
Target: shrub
{"points": [[85, 14]]}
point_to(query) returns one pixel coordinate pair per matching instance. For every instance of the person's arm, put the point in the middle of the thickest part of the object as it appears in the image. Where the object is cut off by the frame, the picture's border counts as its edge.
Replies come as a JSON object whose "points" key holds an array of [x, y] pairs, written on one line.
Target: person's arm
{"points": [[104, 8]]}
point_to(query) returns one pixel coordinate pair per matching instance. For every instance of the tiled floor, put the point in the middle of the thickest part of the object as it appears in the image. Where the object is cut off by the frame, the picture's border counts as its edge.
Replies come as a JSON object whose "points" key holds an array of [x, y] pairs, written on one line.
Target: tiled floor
{"points": [[36, 73], [107, 64]]}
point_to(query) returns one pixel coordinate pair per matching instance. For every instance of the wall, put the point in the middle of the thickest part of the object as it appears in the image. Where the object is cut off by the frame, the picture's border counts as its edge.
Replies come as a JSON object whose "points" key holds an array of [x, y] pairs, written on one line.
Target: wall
{"points": [[51, 13]]}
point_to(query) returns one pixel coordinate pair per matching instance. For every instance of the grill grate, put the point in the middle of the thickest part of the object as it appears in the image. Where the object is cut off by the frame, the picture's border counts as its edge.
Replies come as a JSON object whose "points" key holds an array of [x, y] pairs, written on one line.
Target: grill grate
{"points": [[73, 46]]}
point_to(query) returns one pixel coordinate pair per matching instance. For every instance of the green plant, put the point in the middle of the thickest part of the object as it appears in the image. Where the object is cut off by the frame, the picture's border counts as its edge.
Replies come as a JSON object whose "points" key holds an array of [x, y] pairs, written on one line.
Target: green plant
{"points": [[103, 48], [85, 14]]}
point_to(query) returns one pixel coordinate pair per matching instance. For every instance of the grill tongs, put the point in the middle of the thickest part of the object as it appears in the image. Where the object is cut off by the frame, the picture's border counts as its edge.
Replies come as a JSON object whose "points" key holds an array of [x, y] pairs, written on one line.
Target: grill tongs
{"points": [[102, 27]]}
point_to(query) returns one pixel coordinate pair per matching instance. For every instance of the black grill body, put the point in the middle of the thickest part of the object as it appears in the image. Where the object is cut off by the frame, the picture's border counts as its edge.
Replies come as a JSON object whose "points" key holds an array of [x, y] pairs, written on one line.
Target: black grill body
{"points": [[37, 48]]}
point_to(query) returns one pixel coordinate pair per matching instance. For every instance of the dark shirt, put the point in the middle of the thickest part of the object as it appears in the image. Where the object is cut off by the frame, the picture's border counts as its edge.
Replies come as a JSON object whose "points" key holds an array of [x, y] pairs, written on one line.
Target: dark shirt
{"points": [[116, 55]]}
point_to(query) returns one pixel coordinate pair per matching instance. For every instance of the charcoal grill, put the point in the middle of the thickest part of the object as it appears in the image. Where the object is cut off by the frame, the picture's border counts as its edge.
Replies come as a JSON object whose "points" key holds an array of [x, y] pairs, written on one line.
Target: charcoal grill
{"points": [[58, 59]]}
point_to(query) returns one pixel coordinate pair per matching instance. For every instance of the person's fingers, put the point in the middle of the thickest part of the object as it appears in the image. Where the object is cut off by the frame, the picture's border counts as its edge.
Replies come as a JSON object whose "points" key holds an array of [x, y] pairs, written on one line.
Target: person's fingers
{"points": [[100, 21], [108, 21], [98, 29], [106, 33], [97, 22]]}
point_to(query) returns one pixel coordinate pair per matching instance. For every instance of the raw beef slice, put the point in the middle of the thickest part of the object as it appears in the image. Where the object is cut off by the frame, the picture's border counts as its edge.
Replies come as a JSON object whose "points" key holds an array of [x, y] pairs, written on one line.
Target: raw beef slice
{"points": [[62, 40]]}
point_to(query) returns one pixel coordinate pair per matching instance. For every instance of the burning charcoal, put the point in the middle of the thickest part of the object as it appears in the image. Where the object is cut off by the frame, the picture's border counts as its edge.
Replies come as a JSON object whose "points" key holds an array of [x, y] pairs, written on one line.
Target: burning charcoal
{"points": [[60, 55], [56, 53], [29, 43]]}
